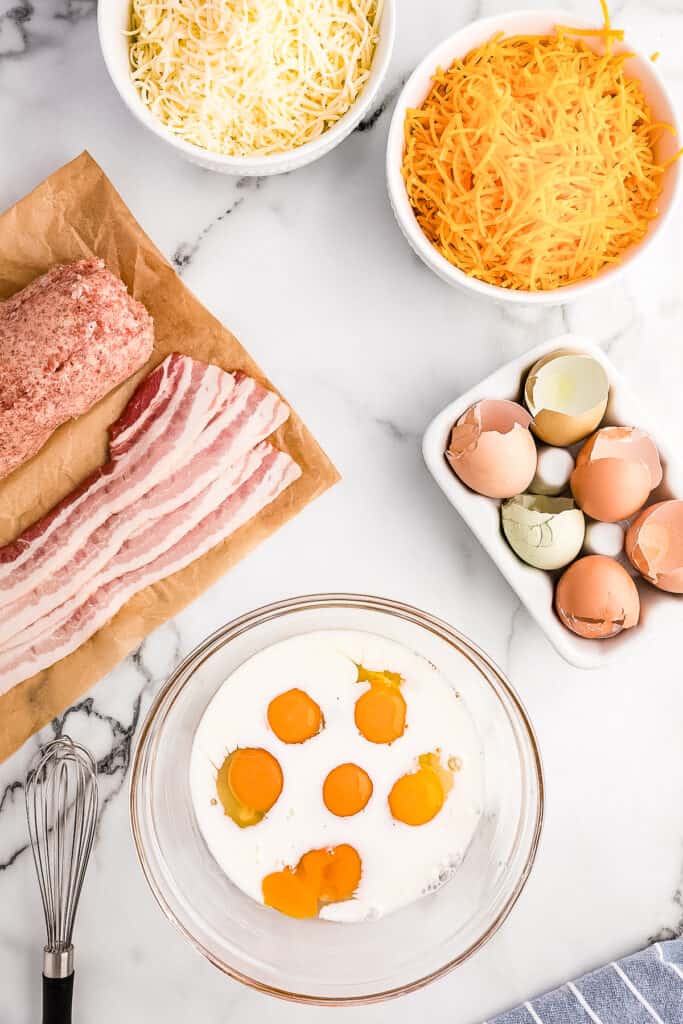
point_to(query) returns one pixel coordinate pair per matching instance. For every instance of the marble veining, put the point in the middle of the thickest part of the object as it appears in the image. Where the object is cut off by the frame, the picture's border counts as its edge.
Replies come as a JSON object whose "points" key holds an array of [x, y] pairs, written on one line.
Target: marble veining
{"points": [[186, 251], [369, 122], [312, 274]]}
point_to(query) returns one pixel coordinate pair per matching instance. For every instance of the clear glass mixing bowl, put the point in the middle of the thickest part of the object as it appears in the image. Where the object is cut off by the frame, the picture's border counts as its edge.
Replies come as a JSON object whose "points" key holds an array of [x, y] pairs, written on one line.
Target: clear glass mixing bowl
{"points": [[319, 961]]}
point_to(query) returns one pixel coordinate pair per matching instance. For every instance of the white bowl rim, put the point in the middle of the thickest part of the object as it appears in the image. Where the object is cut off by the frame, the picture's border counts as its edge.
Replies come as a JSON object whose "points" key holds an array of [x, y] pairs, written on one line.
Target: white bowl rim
{"points": [[403, 211], [269, 163]]}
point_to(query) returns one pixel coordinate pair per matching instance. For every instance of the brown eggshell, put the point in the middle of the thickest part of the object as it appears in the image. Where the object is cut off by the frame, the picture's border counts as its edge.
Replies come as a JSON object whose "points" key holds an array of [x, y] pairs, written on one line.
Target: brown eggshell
{"points": [[628, 443], [610, 489], [596, 598], [491, 449], [559, 430], [615, 471], [654, 545], [560, 427]]}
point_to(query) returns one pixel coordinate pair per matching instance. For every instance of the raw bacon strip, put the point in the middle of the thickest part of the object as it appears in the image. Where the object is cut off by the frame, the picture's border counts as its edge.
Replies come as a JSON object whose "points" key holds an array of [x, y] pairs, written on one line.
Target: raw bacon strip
{"points": [[275, 473], [148, 544], [172, 376], [196, 392], [159, 385], [150, 397], [250, 415], [167, 382]]}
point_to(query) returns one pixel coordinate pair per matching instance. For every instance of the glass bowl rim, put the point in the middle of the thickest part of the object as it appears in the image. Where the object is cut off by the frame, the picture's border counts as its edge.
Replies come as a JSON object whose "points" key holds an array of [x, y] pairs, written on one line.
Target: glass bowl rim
{"points": [[182, 674]]}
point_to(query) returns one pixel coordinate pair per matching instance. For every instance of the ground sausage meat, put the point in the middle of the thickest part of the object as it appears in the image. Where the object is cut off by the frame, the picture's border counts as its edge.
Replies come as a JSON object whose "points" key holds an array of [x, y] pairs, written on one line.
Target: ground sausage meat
{"points": [[66, 340]]}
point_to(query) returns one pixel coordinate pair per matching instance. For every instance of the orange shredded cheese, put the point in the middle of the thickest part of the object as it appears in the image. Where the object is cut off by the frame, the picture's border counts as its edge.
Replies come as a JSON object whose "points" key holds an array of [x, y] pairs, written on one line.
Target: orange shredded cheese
{"points": [[531, 164]]}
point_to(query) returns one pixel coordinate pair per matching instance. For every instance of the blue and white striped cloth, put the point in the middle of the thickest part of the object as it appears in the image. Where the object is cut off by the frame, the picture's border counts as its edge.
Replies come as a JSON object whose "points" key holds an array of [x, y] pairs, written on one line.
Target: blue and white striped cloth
{"points": [[646, 988]]}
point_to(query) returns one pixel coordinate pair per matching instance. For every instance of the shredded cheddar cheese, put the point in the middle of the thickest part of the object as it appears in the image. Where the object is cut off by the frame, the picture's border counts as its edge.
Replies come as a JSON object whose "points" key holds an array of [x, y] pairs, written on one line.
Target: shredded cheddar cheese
{"points": [[530, 165], [251, 77]]}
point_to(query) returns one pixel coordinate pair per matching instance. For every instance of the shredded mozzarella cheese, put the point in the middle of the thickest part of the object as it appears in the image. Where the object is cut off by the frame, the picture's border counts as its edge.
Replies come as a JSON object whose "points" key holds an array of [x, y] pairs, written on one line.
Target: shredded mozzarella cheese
{"points": [[251, 77]]}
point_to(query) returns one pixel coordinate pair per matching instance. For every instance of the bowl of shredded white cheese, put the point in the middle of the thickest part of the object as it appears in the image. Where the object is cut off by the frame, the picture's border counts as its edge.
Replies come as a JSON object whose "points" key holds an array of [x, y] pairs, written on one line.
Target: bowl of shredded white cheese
{"points": [[248, 87]]}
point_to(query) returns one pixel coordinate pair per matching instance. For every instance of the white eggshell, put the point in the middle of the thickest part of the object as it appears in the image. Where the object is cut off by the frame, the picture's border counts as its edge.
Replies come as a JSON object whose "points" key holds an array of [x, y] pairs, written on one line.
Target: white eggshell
{"points": [[604, 539], [543, 531], [553, 470]]}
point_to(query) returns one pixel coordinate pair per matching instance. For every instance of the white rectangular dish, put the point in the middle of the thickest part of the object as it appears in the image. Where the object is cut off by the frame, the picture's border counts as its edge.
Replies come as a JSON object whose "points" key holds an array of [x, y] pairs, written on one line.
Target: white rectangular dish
{"points": [[534, 587]]}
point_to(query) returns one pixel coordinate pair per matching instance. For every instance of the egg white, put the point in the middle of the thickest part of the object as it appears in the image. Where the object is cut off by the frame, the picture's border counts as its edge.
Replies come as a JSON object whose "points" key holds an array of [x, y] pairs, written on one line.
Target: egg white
{"points": [[323, 664]]}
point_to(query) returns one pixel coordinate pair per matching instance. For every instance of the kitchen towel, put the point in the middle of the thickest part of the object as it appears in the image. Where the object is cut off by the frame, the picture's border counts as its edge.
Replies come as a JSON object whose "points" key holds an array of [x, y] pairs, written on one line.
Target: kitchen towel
{"points": [[646, 988]]}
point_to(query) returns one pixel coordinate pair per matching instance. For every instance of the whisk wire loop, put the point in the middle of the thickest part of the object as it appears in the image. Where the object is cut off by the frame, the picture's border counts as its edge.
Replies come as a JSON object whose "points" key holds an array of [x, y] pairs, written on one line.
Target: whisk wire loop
{"points": [[61, 809]]}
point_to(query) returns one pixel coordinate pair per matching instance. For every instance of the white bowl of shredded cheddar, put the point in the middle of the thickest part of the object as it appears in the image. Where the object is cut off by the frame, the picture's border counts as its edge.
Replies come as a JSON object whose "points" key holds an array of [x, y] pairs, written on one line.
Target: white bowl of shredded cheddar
{"points": [[530, 160], [248, 87]]}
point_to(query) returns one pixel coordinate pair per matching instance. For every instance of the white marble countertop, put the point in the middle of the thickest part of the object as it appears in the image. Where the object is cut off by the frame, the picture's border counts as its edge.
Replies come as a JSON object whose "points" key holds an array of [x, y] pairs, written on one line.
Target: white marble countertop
{"points": [[312, 274]]}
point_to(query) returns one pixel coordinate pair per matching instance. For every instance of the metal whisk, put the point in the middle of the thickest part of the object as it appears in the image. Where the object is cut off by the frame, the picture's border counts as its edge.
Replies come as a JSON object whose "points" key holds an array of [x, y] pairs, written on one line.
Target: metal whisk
{"points": [[61, 808]]}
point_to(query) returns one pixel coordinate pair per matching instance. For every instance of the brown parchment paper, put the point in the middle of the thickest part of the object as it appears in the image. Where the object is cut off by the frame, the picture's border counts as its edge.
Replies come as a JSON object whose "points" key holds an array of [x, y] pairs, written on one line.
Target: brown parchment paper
{"points": [[74, 213]]}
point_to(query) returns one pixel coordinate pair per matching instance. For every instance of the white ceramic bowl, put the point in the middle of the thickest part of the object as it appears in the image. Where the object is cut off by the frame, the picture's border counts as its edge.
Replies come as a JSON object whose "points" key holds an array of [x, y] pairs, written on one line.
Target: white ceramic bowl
{"points": [[660, 612], [113, 17], [415, 91]]}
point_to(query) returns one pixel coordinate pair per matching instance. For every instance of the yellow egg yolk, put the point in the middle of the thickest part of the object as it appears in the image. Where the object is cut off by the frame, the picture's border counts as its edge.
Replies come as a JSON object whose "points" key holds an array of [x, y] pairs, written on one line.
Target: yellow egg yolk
{"points": [[294, 716], [380, 712], [248, 783], [346, 790], [418, 797], [321, 876]]}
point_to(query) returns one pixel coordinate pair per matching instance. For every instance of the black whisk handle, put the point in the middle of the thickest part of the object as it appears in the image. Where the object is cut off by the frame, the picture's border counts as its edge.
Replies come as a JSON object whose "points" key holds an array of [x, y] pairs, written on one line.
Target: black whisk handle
{"points": [[57, 994]]}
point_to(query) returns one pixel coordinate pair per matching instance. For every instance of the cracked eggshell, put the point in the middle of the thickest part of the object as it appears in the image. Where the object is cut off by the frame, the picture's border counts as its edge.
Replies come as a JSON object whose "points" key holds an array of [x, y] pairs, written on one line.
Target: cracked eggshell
{"points": [[545, 532], [491, 448], [566, 393], [654, 545], [596, 598], [615, 471]]}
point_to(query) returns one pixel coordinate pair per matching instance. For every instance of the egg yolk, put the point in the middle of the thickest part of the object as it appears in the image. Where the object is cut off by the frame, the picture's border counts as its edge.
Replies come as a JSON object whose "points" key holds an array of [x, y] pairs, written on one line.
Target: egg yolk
{"points": [[380, 712], [294, 716], [346, 790], [418, 797], [248, 783], [321, 876]]}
